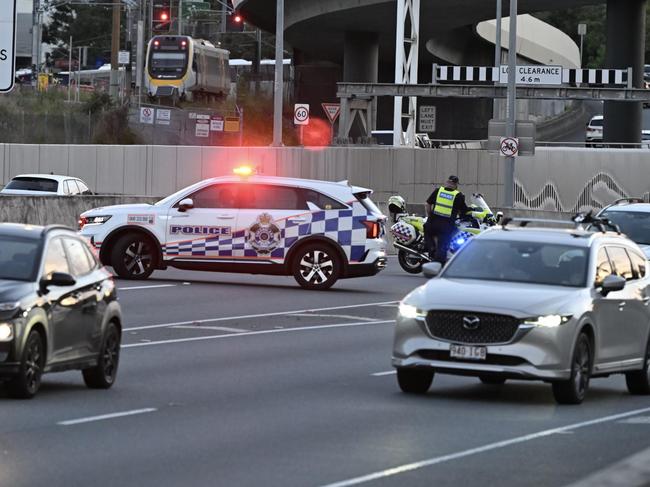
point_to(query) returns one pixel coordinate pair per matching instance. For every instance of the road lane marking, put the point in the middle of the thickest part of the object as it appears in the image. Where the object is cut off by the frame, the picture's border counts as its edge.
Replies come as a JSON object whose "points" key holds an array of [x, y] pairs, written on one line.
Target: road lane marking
{"points": [[217, 328], [262, 315], [343, 317], [156, 286], [382, 374], [103, 417], [637, 420], [261, 332], [383, 474]]}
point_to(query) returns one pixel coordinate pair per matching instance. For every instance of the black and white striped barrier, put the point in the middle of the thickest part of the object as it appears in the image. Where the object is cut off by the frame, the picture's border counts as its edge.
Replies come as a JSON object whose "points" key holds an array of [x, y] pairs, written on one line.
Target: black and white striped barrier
{"points": [[569, 76]]}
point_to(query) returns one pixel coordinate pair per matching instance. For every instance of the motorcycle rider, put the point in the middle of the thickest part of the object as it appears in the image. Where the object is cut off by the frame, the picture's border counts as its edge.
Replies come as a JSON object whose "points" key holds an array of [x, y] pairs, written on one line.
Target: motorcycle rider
{"points": [[442, 209]]}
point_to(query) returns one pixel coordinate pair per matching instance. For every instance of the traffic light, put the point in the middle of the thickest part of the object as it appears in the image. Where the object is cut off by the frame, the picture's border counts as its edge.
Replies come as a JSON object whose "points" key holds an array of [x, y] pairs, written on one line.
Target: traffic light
{"points": [[235, 22], [161, 17]]}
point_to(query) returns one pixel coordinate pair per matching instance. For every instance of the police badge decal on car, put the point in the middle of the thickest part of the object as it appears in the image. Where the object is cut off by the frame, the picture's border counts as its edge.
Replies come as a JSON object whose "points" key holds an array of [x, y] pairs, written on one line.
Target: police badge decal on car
{"points": [[264, 235]]}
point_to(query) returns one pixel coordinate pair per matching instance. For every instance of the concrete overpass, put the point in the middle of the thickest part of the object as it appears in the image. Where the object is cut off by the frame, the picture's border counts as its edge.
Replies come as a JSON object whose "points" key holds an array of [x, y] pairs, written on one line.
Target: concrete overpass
{"points": [[359, 36]]}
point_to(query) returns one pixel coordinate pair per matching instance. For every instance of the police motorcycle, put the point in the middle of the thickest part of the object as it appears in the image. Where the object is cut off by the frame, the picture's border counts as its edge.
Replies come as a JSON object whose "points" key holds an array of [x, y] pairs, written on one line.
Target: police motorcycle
{"points": [[408, 231]]}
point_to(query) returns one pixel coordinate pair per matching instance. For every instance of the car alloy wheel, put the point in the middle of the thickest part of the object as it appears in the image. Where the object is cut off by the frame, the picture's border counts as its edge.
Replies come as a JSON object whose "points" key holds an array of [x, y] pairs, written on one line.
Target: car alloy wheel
{"points": [[638, 382], [133, 257], [317, 267], [28, 381], [138, 258], [103, 375], [573, 390]]}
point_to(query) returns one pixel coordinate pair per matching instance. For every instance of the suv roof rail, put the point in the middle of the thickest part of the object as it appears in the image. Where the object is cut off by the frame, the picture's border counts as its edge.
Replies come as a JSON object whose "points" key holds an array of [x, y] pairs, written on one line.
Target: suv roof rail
{"points": [[578, 222], [50, 228], [627, 201]]}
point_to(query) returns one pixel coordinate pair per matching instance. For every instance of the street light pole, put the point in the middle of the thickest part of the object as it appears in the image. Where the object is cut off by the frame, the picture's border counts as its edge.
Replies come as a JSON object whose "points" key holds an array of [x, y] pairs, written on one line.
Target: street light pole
{"points": [[509, 182], [115, 48], [279, 75]]}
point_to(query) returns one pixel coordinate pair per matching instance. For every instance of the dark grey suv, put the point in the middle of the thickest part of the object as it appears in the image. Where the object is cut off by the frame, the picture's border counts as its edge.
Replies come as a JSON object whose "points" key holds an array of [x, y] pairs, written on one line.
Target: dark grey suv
{"points": [[58, 309]]}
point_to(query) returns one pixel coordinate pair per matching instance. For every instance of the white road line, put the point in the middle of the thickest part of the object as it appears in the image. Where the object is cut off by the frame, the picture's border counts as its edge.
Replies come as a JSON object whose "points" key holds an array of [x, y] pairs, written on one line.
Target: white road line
{"points": [[343, 317], [90, 419], [382, 374], [261, 332], [157, 286], [261, 315], [482, 449], [217, 328]]}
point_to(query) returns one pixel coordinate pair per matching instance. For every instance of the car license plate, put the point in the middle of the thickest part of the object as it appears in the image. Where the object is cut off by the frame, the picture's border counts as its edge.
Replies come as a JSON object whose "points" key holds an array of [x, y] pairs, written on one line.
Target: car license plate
{"points": [[468, 353]]}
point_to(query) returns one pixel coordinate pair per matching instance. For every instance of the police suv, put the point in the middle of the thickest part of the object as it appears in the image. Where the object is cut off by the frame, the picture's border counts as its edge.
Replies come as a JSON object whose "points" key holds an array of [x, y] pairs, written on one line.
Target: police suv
{"points": [[316, 231]]}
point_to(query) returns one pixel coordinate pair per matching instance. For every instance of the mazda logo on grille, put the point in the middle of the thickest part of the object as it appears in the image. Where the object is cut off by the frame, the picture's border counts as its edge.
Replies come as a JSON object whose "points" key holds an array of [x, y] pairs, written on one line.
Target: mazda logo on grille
{"points": [[471, 322]]}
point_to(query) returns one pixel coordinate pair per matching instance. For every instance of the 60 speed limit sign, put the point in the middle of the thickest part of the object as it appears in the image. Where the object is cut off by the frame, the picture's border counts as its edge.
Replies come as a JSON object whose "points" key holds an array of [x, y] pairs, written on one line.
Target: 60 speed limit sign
{"points": [[301, 114]]}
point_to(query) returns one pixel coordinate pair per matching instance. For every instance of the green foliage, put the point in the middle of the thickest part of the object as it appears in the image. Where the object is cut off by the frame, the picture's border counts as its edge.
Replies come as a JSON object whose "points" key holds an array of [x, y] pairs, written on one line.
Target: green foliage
{"points": [[113, 128], [596, 39], [99, 101], [89, 25]]}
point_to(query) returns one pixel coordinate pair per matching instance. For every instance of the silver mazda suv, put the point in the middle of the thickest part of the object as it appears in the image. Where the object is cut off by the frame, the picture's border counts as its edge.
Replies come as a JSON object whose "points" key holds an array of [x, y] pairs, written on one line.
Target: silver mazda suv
{"points": [[562, 306]]}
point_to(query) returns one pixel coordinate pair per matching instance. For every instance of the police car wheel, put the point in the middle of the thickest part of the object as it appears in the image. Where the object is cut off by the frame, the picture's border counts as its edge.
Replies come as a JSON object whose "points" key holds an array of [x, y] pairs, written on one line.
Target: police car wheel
{"points": [[316, 267], [133, 257]]}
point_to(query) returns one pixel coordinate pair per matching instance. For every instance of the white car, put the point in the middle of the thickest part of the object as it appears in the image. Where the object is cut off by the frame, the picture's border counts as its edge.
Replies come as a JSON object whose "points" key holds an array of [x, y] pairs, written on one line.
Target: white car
{"points": [[46, 184], [316, 231], [595, 129]]}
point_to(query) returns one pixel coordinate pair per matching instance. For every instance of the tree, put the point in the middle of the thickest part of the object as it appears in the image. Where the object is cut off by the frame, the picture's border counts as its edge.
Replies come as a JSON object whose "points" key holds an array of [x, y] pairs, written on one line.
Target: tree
{"points": [[596, 39], [89, 25]]}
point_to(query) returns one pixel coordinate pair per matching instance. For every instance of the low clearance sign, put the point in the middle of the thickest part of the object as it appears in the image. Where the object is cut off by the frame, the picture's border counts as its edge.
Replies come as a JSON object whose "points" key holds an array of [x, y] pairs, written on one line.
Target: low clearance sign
{"points": [[7, 46]]}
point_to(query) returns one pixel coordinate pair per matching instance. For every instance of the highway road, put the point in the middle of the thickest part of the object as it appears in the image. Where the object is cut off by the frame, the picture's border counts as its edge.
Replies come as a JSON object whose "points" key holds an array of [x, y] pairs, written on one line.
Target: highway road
{"points": [[237, 380]]}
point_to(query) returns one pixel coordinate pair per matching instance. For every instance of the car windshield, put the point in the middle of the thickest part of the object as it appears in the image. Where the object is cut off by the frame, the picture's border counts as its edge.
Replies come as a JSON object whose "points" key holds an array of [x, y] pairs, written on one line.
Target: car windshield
{"points": [[33, 184], [529, 262], [634, 224], [18, 258]]}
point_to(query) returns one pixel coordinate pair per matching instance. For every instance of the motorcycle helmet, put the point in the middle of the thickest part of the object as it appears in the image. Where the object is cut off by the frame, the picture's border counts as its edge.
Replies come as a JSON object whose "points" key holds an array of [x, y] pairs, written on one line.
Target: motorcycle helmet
{"points": [[396, 205]]}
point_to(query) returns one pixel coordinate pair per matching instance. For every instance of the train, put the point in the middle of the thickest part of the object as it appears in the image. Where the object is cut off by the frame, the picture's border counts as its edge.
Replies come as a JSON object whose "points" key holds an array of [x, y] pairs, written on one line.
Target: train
{"points": [[186, 68]]}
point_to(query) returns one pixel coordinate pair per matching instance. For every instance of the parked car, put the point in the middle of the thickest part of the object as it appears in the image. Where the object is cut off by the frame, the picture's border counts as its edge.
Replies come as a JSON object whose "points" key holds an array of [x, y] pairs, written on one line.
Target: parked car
{"points": [[46, 184], [595, 129], [58, 309], [562, 306]]}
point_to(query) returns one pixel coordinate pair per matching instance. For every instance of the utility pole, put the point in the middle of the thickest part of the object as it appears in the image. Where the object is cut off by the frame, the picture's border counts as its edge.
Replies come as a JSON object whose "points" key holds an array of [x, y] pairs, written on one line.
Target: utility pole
{"points": [[279, 75], [582, 31], [180, 17], [115, 49], [69, 68], [511, 127], [497, 52]]}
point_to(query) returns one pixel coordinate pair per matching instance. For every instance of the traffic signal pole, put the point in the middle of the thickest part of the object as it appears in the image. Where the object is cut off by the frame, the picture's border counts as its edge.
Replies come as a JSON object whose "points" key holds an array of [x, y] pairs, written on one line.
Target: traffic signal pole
{"points": [[115, 48]]}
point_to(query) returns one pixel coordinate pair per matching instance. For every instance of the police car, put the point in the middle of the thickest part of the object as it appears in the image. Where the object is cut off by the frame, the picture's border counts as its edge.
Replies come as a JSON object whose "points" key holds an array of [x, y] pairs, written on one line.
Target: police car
{"points": [[317, 231]]}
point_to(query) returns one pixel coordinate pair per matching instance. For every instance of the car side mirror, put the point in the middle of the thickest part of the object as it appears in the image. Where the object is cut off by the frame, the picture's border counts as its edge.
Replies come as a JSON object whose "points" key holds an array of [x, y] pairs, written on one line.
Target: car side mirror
{"points": [[62, 279], [431, 269], [612, 283], [186, 204], [499, 216]]}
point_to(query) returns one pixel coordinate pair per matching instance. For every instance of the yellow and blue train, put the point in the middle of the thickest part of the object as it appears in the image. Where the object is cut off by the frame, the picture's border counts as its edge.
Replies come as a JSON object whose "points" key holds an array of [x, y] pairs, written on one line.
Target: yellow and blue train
{"points": [[187, 68]]}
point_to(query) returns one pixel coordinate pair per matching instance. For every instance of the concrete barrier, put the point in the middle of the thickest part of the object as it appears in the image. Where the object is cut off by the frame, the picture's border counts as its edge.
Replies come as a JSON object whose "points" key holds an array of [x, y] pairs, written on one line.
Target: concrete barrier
{"points": [[51, 210]]}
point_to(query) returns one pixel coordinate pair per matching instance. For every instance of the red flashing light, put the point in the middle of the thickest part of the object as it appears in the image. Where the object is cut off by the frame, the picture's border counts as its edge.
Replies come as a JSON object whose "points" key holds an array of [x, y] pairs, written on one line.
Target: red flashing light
{"points": [[238, 19], [164, 16]]}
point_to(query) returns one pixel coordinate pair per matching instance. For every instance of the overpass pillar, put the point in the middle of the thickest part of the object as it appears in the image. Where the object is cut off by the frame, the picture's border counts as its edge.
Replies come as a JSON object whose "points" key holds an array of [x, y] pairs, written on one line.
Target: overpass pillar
{"points": [[625, 48], [361, 65]]}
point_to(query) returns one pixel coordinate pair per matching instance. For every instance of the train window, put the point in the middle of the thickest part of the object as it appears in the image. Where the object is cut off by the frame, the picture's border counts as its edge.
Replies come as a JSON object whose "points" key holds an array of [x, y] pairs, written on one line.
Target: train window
{"points": [[168, 61]]}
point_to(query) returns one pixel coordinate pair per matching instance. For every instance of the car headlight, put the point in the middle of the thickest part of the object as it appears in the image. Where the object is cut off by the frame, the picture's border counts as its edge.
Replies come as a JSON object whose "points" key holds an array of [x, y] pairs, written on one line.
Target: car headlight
{"points": [[6, 332], [97, 219], [411, 312], [548, 321], [9, 306]]}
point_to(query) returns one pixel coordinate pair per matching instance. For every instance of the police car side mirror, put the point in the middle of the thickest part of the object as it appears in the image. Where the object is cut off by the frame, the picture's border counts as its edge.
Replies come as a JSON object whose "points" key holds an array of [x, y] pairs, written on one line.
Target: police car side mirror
{"points": [[499, 216], [186, 204]]}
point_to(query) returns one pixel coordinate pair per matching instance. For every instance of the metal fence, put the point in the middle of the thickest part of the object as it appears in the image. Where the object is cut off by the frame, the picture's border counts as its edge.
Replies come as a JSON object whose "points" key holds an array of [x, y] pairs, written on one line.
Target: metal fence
{"points": [[47, 128]]}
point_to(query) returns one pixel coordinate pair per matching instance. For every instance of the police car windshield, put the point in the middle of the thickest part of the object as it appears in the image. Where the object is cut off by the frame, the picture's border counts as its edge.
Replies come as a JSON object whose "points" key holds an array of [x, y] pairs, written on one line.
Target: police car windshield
{"points": [[17, 258], [526, 262], [634, 224]]}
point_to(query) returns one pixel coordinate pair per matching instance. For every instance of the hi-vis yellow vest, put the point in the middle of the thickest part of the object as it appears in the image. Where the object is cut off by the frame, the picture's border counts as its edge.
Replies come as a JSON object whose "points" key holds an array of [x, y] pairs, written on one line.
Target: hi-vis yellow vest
{"points": [[445, 202]]}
